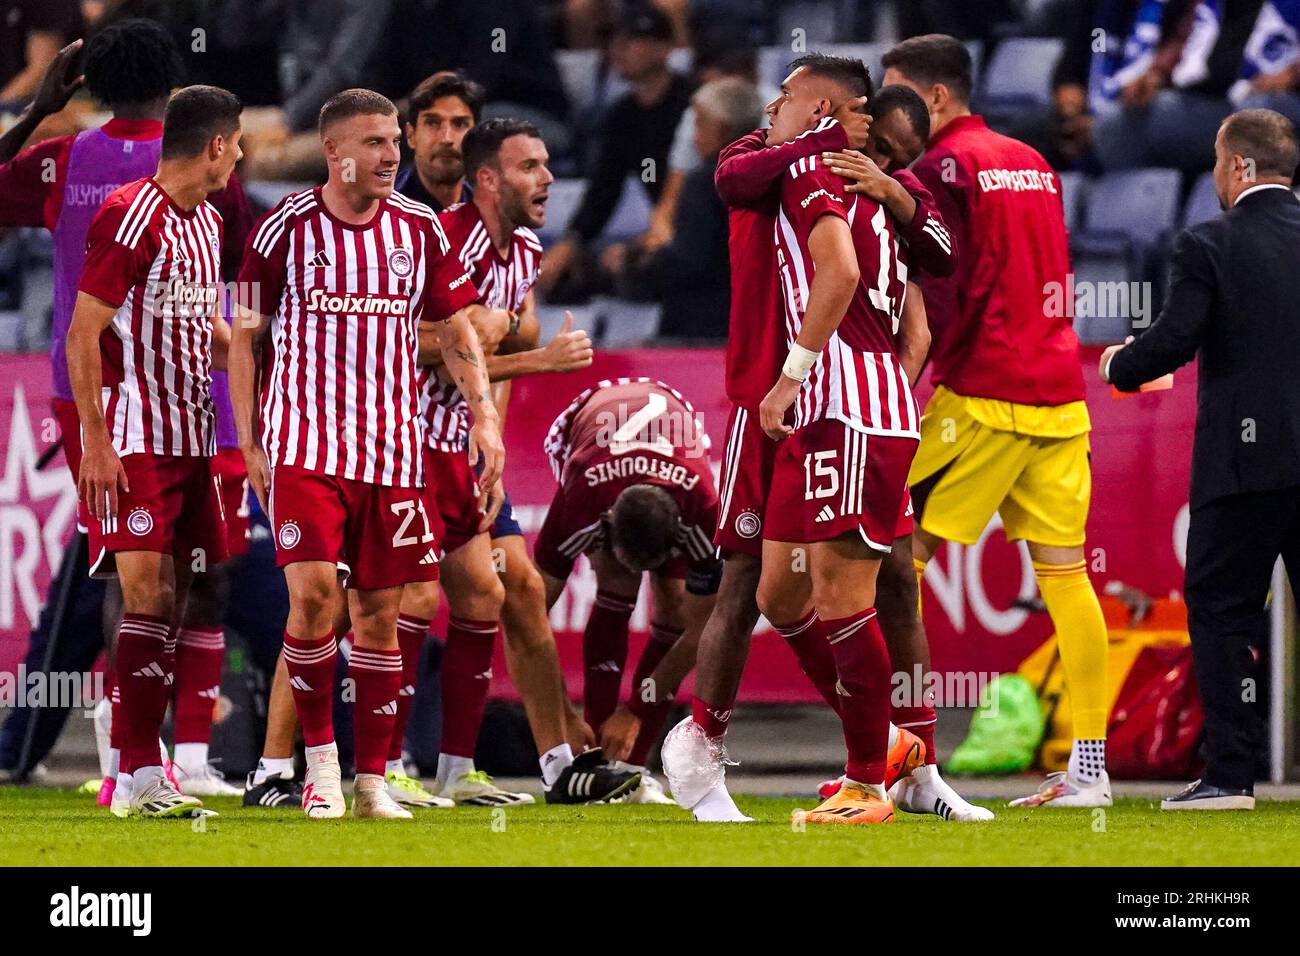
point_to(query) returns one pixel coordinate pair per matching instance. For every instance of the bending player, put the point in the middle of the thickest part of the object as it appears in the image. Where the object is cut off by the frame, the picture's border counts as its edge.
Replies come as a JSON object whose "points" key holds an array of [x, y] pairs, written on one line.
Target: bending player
{"points": [[1006, 429], [506, 161], [352, 277], [636, 495], [145, 331]]}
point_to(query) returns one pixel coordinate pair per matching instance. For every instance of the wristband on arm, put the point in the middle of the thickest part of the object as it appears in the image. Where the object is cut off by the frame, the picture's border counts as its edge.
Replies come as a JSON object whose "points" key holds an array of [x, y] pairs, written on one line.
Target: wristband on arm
{"points": [[798, 362]]}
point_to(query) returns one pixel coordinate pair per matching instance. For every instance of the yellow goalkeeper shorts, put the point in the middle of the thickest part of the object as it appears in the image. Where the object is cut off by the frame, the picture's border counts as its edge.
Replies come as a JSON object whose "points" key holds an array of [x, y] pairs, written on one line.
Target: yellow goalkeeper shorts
{"points": [[965, 471]]}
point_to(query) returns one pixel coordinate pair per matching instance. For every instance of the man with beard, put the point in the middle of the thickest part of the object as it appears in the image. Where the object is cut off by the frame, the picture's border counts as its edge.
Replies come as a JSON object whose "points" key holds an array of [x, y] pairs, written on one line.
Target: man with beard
{"points": [[442, 110]]}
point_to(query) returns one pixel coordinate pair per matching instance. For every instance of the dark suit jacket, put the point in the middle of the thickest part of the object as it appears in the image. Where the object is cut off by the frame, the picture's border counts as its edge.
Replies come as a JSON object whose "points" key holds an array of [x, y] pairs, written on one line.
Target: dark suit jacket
{"points": [[1234, 303]]}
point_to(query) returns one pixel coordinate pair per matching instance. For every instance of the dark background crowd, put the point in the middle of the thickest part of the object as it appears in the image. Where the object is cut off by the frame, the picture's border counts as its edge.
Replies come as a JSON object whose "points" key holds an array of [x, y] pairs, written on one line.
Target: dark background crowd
{"points": [[1123, 96]]}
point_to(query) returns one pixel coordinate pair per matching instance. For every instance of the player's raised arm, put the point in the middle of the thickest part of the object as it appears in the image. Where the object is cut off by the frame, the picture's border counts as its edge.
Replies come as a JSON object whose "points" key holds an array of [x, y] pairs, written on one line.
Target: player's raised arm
{"points": [[748, 168], [570, 349], [101, 468]]}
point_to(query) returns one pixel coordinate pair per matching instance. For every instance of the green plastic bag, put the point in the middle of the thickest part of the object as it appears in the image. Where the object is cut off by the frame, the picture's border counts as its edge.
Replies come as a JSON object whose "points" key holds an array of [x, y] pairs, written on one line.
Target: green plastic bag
{"points": [[1005, 732]]}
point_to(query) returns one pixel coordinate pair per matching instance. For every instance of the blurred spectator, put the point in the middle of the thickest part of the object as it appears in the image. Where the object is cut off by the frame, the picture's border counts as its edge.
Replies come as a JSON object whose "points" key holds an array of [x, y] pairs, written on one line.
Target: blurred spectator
{"points": [[31, 33], [1159, 87], [500, 43], [633, 140], [1270, 69], [238, 53], [717, 56], [691, 273], [1069, 138], [440, 112], [959, 18], [585, 23], [325, 47]]}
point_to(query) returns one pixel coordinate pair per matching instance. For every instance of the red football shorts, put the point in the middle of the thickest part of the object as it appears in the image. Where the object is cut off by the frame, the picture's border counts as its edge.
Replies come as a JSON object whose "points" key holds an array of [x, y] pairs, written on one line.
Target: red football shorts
{"points": [[65, 413], [746, 478], [232, 481], [830, 480], [451, 493], [379, 536], [173, 508]]}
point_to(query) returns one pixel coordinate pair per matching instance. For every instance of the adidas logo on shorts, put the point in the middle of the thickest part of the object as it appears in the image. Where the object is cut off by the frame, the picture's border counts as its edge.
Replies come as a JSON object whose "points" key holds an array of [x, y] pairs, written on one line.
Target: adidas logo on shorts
{"points": [[429, 558], [826, 514]]}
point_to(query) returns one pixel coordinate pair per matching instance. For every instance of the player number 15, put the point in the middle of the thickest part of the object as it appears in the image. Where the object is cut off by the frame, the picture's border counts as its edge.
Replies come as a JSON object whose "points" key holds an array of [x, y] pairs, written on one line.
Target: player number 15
{"points": [[821, 465]]}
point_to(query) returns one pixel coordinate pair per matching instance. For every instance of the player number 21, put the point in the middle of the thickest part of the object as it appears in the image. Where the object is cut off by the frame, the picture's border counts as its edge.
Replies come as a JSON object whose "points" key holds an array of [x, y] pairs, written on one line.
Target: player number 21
{"points": [[406, 511], [821, 465]]}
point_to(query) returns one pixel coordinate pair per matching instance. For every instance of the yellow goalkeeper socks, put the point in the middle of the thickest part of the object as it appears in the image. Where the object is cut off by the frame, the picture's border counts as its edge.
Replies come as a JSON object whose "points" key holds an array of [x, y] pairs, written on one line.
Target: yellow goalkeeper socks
{"points": [[1081, 637]]}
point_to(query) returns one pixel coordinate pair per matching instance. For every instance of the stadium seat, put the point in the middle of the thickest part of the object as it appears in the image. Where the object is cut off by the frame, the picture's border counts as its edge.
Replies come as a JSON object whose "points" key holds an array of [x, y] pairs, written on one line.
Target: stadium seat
{"points": [[1203, 203], [1141, 204], [1020, 73], [1101, 317], [1073, 193], [565, 196], [623, 324]]}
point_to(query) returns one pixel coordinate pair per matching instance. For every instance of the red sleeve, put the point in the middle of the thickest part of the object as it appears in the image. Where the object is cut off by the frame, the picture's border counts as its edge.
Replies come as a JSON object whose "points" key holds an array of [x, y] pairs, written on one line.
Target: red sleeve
{"points": [[448, 287], [928, 240], [265, 264], [949, 185], [112, 267], [748, 168], [31, 184], [237, 218], [810, 194], [546, 549]]}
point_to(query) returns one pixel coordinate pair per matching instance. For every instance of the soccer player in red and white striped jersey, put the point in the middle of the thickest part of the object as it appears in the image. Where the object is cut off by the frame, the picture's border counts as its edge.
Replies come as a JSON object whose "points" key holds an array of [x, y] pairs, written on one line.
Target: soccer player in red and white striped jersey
{"points": [[840, 474], [145, 332], [351, 278], [507, 162]]}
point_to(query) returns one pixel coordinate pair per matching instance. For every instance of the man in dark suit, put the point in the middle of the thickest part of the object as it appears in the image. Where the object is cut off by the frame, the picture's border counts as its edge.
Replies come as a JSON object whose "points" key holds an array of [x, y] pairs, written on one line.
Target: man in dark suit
{"points": [[1234, 303]]}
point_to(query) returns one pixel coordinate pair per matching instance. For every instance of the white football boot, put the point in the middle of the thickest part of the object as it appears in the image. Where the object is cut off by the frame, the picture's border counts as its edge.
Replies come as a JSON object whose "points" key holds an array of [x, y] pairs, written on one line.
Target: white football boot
{"points": [[409, 792], [475, 788], [205, 781], [1062, 790], [696, 769], [153, 795], [650, 791], [322, 788], [370, 800]]}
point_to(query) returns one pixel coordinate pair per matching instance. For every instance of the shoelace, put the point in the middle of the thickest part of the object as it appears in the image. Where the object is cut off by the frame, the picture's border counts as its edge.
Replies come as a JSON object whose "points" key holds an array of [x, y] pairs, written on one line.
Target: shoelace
{"points": [[480, 776], [409, 784]]}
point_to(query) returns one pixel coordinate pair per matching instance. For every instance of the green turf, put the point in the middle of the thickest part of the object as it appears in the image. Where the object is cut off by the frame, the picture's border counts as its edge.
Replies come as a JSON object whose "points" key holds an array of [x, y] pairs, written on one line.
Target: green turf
{"points": [[58, 828]]}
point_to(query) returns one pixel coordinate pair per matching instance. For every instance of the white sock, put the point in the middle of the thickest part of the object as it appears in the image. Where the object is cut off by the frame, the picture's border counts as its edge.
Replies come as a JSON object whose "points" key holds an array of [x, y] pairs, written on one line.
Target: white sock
{"points": [[114, 762], [554, 762], [716, 806], [1088, 760], [191, 757], [125, 785], [142, 777], [395, 766], [452, 768], [268, 766]]}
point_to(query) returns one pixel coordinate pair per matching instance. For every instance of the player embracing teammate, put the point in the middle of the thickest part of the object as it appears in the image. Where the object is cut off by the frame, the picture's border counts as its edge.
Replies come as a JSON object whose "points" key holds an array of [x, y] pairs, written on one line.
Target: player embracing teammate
{"points": [[830, 499]]}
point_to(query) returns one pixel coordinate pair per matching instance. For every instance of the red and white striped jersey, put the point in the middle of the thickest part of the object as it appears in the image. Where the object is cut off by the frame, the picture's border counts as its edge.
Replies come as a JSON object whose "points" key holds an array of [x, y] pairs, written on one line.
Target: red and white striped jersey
{"points": [[856, 378], [161, 267], [341, 394], [502, 284]]}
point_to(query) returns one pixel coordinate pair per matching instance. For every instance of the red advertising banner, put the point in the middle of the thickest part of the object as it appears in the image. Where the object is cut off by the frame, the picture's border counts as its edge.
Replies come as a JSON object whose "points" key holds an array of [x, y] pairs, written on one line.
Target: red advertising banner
{"points": [[1141, 451]]}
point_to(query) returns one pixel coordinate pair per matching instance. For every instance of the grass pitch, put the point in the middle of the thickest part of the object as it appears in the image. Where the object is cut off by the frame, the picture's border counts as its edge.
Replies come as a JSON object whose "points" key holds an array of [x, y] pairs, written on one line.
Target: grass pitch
{"points": [[59, 828]]}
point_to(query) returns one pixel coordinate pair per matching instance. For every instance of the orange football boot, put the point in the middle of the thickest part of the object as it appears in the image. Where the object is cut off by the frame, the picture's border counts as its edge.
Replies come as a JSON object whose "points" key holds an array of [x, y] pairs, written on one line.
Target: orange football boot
{"points": [[907, 753], [852, 803]]}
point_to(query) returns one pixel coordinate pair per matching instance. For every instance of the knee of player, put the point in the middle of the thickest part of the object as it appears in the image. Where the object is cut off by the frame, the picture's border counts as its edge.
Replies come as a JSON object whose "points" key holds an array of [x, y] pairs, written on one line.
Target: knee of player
{"points": [[896, 593], [314, 598], [770, 600], [524, 589], [421, 599], [157, 598]]}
